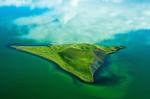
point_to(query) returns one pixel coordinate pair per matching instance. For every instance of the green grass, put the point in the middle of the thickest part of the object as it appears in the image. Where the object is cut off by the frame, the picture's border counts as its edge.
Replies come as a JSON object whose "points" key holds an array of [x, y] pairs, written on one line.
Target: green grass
{"points": [[77, 59]]}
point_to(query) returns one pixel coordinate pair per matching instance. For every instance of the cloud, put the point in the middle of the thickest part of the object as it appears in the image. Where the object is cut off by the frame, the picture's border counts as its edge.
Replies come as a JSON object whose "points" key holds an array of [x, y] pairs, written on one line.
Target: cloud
{"points": [[84, 20], [54, 3], [30, 3], [34, 3]]}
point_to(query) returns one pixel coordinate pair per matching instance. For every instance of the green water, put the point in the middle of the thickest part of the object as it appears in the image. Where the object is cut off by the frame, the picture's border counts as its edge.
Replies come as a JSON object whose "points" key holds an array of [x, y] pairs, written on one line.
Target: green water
{"points": [[126, 74]]}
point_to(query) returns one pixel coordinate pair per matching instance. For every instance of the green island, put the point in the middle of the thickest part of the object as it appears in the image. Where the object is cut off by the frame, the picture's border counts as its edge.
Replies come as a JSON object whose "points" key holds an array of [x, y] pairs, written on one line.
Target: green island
{"points": [[81, 60]]}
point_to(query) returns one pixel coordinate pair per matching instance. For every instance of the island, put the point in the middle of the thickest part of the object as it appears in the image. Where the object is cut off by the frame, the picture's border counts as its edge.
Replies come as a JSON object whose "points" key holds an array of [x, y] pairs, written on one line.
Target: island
{"points": [[81, 60]]}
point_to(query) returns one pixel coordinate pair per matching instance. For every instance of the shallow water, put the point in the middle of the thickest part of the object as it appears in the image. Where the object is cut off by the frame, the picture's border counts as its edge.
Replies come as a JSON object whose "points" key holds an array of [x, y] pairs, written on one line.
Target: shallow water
{"points": [[24, 76]]}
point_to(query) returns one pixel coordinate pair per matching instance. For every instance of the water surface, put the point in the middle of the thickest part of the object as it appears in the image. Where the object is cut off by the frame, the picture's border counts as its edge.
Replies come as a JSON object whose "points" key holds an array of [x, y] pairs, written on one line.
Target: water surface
{"points": [[24, 76]]}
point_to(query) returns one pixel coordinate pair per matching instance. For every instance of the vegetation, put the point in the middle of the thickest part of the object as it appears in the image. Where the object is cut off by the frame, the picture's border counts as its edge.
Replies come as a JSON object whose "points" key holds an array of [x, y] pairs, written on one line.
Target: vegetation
{"points": [[81, 60]]}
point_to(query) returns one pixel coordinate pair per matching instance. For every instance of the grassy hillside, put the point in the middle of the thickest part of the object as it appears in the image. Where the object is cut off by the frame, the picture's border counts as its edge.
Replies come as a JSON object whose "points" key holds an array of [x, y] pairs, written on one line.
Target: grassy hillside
{"points": [[81, 60]]}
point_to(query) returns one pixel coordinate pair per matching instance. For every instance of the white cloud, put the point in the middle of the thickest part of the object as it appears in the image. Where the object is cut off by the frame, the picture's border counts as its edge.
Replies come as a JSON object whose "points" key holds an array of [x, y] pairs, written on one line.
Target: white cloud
{"points": [[114, 1], [47, 3], [31, 3], [84, 20]]}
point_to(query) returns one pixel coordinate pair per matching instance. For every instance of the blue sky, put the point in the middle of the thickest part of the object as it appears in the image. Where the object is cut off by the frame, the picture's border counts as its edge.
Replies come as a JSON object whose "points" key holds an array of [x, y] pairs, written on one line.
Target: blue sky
{"points": [[81, 20]]}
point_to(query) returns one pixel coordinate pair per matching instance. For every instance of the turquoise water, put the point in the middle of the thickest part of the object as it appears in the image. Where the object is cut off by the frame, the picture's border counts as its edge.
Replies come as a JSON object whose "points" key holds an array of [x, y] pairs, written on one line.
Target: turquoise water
{"points": [[24, 76]]}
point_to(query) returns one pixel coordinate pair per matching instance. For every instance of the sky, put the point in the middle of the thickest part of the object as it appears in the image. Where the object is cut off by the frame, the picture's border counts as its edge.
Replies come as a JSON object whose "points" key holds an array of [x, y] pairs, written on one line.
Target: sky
{"points": [[82, 21]]}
